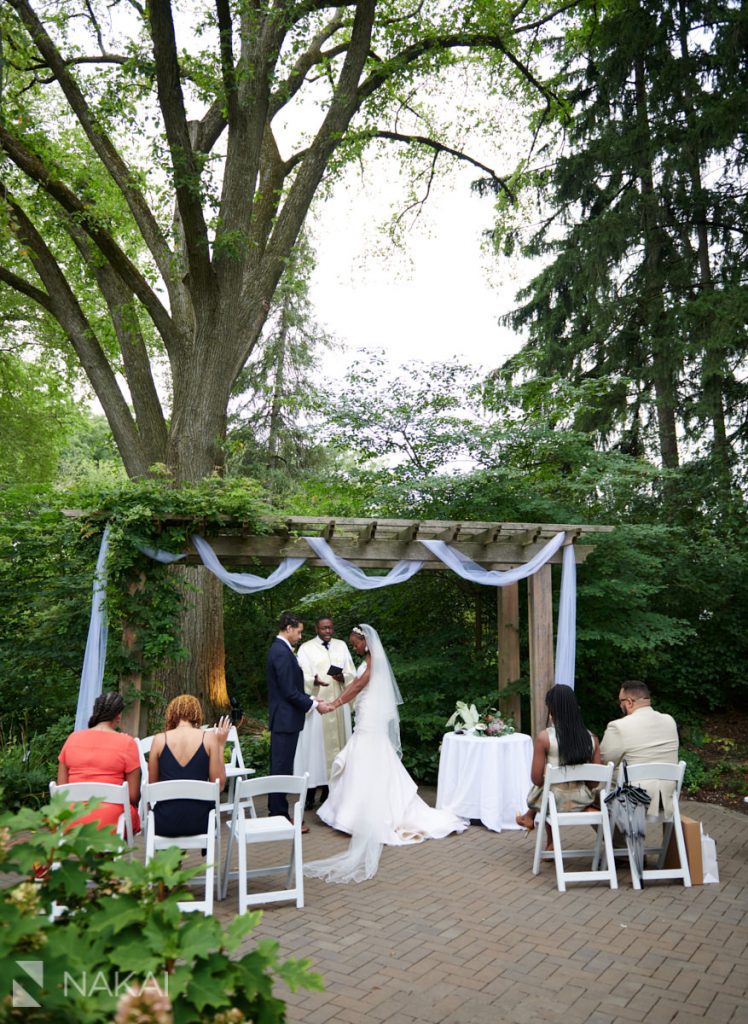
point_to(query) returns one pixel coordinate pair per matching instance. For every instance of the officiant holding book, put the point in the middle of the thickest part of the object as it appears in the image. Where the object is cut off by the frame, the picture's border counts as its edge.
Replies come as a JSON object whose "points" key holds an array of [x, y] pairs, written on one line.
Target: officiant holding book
{"points": [[328, 668]]}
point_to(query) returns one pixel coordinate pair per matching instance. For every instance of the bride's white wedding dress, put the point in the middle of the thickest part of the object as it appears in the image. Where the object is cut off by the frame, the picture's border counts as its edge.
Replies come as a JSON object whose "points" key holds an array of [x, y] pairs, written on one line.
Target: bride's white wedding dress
{"points": [[372, 797]]}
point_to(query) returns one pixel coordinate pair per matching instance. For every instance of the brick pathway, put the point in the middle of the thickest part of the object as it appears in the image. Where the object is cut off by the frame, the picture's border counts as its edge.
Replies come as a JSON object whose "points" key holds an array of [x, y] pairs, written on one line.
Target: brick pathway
{"points": [[458, 930]]}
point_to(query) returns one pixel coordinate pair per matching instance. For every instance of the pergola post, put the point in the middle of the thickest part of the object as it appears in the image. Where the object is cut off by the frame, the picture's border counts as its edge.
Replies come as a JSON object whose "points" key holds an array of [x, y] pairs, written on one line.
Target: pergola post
{"points": [[540, 629], [509, 663], [132, 683]]}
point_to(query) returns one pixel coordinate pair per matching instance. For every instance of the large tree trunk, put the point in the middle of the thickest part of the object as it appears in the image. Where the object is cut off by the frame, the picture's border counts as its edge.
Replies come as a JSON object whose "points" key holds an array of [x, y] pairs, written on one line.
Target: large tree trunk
{"points": [[203, 672], [197, 433]]}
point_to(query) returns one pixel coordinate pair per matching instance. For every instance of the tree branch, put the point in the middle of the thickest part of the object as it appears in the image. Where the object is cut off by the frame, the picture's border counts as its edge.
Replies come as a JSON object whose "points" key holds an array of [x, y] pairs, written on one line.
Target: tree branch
{"points": [[439, 147], [411, 54], [33, 168], [530, 26], [186, 172], [24, 287], [290, 219], [65, 308], [120, 302], [307, 60], [226, 46], [102, 145]]}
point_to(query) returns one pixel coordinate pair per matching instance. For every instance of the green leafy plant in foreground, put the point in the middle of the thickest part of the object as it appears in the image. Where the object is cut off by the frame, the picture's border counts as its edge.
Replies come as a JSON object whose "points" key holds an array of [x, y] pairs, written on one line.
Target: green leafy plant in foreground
{"points": [[120, 949]]}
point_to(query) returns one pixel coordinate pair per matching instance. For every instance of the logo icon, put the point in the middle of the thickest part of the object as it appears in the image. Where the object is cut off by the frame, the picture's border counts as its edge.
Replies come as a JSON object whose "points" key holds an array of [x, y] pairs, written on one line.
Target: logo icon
{"points": [[35, 970]]}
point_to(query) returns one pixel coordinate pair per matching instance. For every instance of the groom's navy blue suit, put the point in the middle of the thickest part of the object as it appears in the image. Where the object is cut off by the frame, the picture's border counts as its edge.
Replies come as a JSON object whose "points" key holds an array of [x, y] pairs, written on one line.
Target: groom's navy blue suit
{"points": [[287, 706]]}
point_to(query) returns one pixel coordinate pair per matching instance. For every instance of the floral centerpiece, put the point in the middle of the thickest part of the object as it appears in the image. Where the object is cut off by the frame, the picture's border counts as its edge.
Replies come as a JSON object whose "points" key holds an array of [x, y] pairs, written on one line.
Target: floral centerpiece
{"points": [[467, 719]]}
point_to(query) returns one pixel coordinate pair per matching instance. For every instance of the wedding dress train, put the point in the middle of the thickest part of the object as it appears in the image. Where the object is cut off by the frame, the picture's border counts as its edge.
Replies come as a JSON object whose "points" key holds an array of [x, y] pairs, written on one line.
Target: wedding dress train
{"points": [[372, 797]]}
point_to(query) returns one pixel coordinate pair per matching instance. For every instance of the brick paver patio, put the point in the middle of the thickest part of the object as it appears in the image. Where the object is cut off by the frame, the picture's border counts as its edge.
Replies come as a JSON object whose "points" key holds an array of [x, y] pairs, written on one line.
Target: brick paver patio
{"points": [[460, 931]]}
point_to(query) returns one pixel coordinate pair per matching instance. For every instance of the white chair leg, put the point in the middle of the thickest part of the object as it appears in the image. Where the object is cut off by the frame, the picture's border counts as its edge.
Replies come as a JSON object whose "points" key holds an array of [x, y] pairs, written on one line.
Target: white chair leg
{"points": [[242, 852], [667, 833], [227, 864], [607, 836], [558, 859], [210, 855], [299, 870]]}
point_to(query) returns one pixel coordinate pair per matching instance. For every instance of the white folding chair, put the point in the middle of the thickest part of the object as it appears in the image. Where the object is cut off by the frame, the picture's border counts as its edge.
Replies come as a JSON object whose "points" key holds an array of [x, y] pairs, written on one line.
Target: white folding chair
{"points": [[598, 773], [210, 840], [247, 828], [144, 749], [82, 792], [639, 774], [235, 768]]}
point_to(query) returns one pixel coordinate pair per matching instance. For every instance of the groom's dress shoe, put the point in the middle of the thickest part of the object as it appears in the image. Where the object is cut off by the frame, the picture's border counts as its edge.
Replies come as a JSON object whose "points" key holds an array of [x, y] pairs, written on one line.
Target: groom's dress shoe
{"points": [[304, 828]]}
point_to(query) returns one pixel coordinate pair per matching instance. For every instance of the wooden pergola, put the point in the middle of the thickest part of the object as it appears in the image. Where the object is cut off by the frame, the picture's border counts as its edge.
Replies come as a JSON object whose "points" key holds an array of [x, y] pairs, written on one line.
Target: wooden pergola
{"points": [[381, 543]]}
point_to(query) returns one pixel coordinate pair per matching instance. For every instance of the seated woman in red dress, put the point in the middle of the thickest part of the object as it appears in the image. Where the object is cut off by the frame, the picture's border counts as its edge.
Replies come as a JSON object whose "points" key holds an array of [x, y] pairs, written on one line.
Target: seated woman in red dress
{"points": [[101, 754]]}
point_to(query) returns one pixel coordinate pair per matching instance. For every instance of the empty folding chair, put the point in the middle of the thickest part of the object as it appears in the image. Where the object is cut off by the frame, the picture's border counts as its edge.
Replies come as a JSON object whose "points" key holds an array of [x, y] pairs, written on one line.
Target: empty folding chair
{"points": [[82, 792], [235, 768], [247, 829], [209, 841], [640, 774], [558, 820], [144, 749]]}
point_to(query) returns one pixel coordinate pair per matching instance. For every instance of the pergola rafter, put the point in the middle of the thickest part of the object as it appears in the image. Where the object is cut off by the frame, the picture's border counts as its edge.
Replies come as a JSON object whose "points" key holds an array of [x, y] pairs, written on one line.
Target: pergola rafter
{"points": [[381, 543]]}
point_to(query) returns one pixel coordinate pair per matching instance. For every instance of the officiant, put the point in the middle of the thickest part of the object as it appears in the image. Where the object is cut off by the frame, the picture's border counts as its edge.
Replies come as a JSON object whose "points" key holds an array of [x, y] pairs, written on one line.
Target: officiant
{"points": [[323, 736]]}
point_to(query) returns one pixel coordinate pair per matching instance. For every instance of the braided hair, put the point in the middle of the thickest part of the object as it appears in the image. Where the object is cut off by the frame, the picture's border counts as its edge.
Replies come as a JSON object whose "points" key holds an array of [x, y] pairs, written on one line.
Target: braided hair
{"points": [[184, 708], [106, 708], [575, 744]]}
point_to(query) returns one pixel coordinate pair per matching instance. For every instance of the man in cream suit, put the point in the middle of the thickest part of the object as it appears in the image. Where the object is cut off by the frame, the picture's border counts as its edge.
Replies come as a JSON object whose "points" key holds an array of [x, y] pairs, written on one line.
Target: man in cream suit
{"points": [[643, 735], [323, 736]]}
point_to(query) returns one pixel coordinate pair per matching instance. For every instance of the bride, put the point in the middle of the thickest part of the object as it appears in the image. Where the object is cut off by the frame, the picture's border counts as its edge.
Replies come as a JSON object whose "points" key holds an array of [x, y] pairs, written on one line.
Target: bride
{"points": [[371, 796]]}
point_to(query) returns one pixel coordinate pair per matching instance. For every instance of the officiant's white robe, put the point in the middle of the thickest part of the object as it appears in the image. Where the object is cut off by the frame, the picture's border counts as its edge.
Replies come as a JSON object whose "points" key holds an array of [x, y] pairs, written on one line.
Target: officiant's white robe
{"points": [[323, 736]]}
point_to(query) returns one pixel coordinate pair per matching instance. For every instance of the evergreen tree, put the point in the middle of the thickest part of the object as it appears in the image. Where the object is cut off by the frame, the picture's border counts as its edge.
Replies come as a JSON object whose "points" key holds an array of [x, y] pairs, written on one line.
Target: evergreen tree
{"points": [[645, 288]]}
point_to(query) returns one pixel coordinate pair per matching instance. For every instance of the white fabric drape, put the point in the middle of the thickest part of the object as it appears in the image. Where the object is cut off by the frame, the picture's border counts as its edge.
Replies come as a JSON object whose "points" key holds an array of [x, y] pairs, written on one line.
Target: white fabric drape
{"points": [[566, 634], [245, 582], [356, 577], [465, 567], [94, 659]]}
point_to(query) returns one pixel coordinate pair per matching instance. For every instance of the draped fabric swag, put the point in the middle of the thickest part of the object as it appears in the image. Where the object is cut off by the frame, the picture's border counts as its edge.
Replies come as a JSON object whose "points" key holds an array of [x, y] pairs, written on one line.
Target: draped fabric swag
{"points": [[247, 583]]}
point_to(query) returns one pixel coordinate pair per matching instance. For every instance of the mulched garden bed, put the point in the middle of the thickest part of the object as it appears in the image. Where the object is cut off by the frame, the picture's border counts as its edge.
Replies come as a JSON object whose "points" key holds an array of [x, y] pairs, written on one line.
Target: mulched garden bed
{"points": [[721, 743]]}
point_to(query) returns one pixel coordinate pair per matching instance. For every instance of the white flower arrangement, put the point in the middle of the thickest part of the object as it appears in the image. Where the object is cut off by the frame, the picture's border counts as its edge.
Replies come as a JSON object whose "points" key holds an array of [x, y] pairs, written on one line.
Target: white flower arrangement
{"points": [[469, 720]]}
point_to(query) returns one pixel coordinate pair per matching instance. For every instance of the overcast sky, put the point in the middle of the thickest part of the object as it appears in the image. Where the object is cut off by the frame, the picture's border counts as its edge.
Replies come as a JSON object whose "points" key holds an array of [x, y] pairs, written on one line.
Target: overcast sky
{"points": [[438, 296]]}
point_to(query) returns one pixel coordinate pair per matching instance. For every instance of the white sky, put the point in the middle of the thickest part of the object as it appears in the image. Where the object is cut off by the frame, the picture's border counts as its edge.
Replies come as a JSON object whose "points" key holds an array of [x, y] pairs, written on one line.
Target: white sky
{"points": [[437, 296]]}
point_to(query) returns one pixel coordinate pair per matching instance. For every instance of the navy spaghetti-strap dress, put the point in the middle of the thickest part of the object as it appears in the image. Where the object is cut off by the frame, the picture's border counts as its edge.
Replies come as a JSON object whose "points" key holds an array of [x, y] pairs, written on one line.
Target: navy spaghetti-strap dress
{"points": [[182, 817]]}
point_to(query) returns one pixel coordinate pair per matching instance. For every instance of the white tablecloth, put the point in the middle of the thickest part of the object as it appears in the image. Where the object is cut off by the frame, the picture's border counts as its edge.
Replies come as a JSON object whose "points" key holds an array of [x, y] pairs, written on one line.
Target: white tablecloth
{"points": [[485, 777]]}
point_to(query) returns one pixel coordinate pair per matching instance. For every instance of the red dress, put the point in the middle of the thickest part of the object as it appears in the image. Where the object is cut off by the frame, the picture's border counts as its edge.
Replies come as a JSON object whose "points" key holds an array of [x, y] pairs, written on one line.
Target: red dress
{"points": [[95, 755]]}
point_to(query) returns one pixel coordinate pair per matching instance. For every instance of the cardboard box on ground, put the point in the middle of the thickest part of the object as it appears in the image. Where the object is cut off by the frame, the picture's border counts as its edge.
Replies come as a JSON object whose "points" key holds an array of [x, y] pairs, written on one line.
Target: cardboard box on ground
{"points": [[692, 838]]}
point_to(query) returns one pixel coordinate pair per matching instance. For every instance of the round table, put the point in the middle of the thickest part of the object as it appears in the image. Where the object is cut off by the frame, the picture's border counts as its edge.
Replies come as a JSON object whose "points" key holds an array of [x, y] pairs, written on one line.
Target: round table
{"points": [[485, 777]]}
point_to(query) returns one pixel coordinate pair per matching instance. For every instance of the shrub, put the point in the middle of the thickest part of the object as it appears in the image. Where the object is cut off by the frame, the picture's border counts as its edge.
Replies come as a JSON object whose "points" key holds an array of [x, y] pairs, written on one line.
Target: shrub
{"points": [[120, 943]]}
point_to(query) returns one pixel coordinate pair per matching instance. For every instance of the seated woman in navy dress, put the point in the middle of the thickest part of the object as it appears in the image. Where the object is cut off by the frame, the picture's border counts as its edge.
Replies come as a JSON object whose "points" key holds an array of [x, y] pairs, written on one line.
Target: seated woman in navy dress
{"points": [[185, 751]]}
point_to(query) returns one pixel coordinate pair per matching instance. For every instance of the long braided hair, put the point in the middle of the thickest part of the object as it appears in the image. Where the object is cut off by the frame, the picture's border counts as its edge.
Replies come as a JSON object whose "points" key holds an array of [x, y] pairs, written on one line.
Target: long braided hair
{"points": [[106, 708], [575, 744]]}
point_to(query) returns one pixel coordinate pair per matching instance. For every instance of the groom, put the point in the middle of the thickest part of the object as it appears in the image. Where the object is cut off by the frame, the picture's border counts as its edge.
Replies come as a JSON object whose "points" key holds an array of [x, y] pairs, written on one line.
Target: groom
{"points": [[287, 704]]}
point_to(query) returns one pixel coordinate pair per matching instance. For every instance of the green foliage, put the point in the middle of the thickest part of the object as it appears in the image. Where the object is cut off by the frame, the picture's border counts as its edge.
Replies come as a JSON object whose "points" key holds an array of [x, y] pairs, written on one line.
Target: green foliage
{"points": [[120, 931], [28, 761], [256, 752], [697, 774], [37, 414], [641, 299]]}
